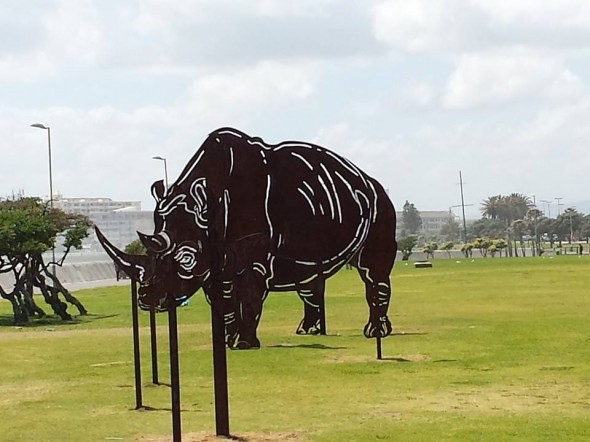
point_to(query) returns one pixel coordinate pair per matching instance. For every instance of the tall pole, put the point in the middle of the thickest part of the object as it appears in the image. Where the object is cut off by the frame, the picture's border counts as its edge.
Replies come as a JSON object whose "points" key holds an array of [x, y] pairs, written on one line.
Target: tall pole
{"points": [[174, 374], [571, 224], [48, 129], [136, 351], [548, 213], [536, 248], [463, 208]]}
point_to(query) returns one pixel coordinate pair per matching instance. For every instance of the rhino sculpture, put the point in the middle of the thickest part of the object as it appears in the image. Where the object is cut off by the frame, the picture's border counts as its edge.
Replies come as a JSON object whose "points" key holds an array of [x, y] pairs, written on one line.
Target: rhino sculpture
{"points": [[246, 217]]}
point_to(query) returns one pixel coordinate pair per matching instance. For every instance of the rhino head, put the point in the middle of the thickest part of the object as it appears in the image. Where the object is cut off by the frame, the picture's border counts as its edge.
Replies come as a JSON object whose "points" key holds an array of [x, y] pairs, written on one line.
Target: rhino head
{"points": [[177, 263]]}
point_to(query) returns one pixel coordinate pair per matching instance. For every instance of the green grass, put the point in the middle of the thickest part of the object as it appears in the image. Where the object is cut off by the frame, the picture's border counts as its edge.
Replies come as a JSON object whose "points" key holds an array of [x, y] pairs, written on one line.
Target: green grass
{"points": [[490, 350]]}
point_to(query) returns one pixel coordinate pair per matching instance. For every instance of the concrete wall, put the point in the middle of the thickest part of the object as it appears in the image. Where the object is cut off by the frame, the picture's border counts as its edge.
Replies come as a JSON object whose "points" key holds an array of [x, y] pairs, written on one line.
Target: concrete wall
{"points": [[74, 273]]}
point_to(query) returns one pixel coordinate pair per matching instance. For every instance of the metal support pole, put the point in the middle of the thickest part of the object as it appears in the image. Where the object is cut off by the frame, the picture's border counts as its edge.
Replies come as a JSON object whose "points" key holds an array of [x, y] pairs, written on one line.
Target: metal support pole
{"points": [[378, 343], [136, 358], [219, 370], [322, 302], [463, 208], [154, 342], [174, 374]]}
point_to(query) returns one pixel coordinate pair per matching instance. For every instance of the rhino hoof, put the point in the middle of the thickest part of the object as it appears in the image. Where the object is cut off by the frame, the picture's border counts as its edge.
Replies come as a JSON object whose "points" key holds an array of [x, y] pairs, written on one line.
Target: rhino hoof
{"points": [[378, 329], [245, 345], [304, 329]]}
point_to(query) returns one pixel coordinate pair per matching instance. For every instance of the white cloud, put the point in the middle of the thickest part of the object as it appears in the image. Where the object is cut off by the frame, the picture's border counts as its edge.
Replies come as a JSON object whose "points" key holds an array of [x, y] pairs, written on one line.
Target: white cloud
{"points": [[502, 77], [248, 91], [408, 26], [532, 13], [67, 35], [456, 26]]}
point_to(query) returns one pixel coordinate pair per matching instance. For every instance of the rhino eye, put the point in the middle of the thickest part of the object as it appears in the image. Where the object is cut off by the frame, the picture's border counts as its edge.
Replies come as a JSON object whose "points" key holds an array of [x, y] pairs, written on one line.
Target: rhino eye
{"points": [[186, 257]]}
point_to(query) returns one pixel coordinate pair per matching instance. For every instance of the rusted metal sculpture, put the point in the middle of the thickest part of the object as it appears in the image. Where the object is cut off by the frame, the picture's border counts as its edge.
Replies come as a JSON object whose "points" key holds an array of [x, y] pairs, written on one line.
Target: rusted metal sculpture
{"points": [[246, 217]]}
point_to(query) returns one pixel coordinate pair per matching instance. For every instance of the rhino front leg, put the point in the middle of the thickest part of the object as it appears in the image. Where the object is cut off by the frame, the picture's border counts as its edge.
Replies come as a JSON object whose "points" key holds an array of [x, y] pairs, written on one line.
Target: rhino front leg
{"points": [[230, 313], [222, 296], [251, 292]]}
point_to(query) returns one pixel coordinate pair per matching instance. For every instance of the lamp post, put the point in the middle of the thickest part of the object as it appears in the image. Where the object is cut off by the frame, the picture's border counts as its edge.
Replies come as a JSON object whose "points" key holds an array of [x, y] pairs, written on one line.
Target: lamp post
{"points": [[536, 248], [157, 157], [548, 213], [452, 217], [48, 129]]}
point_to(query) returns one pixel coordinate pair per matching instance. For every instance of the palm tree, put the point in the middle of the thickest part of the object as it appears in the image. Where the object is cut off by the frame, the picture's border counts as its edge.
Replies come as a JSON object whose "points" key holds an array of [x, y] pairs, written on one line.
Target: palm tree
{"points": [[508, 209], [519, 205], [491, 207]]}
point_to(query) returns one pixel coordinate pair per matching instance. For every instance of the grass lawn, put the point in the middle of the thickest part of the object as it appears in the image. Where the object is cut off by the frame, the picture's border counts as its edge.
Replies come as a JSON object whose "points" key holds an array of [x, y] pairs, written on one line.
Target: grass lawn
{"points": [[487, 350]]}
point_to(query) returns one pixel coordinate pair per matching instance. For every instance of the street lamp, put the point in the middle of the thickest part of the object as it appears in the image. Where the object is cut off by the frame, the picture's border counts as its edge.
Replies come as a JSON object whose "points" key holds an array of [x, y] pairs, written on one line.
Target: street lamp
{"points": [[47, 128], [536, 248], [165, 169], [548, 213]]}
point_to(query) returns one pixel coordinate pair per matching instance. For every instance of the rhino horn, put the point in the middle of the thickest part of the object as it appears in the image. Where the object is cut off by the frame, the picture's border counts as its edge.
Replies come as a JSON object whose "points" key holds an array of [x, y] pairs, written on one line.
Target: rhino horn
{"points": [[158, 190], [157, 243], [135, 266]]}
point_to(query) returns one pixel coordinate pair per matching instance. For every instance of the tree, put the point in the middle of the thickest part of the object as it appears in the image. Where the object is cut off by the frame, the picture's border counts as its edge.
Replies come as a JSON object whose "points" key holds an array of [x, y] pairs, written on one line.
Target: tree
{"points": [[532, 220], [508, 209], [585, 228], [406, 246], [411, 220], [492, 207], [450, 230], [497, 246], [482, 244], [135, 247], [28, 228], [447, 247], [492, 228], [568, 224], [429, 249], [467, 249]]}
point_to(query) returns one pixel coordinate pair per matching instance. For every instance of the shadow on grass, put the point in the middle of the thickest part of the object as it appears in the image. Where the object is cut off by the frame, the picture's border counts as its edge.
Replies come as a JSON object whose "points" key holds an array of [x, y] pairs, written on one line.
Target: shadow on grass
{"points": [[147, 408], [312, 346], [396, 359], [408, 333], [51, 320]]}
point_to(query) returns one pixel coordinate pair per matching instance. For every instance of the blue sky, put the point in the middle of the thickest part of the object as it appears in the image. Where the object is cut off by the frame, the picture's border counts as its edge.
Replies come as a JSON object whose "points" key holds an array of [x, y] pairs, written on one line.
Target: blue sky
{"points": [[412, 91]]}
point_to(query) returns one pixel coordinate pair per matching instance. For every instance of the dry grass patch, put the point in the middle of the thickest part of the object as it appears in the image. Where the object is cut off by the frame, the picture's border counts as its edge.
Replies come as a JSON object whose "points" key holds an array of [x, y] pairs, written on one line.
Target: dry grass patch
{"points": [[241, 437]]}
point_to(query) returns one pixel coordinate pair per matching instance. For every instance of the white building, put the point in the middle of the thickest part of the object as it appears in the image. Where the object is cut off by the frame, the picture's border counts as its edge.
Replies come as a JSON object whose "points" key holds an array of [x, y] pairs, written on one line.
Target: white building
{"points": [[118, 220], [432, 222], [86, 206]]}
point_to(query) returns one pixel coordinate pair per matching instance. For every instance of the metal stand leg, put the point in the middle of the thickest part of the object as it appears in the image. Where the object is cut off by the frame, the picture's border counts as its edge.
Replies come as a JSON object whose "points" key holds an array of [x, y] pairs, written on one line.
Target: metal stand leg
{"points": [[322, 303], [220, 373], [154, 341], [174, 374], [378, 342], [136, 358]]}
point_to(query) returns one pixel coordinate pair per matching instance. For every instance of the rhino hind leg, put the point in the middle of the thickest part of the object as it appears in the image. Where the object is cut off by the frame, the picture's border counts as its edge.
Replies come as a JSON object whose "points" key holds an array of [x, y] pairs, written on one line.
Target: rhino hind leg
{"points": [[374, 266], [378, 297], [312, 296]]}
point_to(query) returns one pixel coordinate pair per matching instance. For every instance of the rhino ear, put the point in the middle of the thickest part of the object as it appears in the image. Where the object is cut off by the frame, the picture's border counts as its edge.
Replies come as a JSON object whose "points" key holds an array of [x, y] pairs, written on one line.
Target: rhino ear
{"points": [[158, 190], [199, 201], [134, 265], [158, 243]]}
